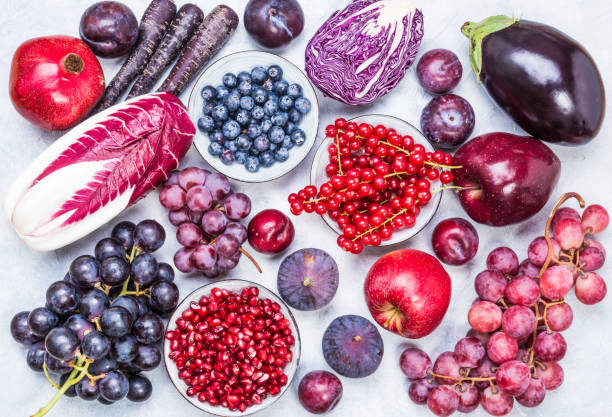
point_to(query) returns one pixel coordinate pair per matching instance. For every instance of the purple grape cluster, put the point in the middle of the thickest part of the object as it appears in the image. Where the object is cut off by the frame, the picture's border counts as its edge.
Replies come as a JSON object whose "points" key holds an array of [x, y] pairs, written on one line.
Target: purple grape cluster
{"points": [[207, 215]]}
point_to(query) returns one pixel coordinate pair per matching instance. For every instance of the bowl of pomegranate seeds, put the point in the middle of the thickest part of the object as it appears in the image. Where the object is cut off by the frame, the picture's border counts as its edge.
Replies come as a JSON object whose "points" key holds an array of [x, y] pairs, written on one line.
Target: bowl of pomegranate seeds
{"points": [[375, 180], [232, 348]]}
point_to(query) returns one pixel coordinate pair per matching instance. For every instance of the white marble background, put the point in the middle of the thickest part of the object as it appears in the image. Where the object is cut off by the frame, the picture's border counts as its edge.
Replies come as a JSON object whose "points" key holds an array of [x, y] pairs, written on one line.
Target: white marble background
{"points": [[25, 274]]}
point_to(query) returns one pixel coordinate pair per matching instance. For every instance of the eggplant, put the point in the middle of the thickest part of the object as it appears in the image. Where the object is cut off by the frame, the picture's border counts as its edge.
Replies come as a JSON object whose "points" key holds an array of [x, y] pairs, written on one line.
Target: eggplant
{"points": [[545, 80]]}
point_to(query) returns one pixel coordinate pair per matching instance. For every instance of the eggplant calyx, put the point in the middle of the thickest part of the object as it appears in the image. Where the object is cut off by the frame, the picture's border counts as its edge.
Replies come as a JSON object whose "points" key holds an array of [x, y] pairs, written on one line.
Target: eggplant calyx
{"points": [[477, 31]]}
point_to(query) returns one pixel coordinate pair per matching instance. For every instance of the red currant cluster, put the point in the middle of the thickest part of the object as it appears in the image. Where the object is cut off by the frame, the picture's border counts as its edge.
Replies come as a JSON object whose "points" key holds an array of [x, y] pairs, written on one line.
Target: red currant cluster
{"points": [[378, 181]]}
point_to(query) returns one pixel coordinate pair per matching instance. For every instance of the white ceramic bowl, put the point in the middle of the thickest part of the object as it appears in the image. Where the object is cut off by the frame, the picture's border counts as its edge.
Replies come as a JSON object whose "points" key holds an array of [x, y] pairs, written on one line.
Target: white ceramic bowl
{"points": [[245, 61], [234, 285], [318, 175]]}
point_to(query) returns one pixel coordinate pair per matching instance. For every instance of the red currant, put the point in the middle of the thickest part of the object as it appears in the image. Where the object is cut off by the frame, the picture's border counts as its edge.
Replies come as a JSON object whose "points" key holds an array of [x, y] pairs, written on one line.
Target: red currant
{"points": [[326, 190], [310, 190], [379, 183], [407, 142], [321, 208], [357, 248], [418, 148], [351, 126], [433, 174], [309, 207], [331, 131], [375, 239], [416, 159], [447, 177], [296, 208], [350, 230], [331, 169], [438, 157], [423, 184], [364, 130], [337, 182], [340, 123]]}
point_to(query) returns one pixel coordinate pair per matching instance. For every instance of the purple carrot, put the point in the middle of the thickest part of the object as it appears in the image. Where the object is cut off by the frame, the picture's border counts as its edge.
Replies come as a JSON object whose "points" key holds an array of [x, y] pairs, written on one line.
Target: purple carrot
{"points": [[210, 36], [184, 24], [152, 27]]}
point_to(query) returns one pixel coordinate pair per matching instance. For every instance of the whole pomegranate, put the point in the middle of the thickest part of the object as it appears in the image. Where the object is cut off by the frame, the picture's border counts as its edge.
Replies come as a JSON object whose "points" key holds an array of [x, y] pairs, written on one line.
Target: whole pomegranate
{"points": [[408, 292], [55, 81]]}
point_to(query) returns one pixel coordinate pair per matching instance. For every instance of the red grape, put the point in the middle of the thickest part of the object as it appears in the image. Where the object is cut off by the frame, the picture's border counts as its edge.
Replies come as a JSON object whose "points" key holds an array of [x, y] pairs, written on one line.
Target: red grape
{"points": [[484, 370], [559, 317], [447, 365], [237, 206], [496, 402], [518, 322], [419, 390], [591, 259], [214, 222], [483, 337], [192, 176], [538, 250], [565, 213], [595, 218], [528, 269], [550, 347], [501, 348], [227, 245], [178, 217], [469, 398], [533, 395], [199, 198], [443, 401], [513, 377], [522, 291], [219, 185], [484, 316], [556, 282], [592, 242], [552, 376], [490, 285], [182, 260], [504, 260], [469, 352], [204, 257], [173, 178], [590, 289], [568, 232], [414, 363], [188, 235], [172, 197]]}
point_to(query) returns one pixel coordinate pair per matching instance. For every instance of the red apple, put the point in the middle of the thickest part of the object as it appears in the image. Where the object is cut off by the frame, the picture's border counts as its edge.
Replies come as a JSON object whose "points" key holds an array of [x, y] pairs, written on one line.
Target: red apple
{"points": [[270, 231], [408, 292]]}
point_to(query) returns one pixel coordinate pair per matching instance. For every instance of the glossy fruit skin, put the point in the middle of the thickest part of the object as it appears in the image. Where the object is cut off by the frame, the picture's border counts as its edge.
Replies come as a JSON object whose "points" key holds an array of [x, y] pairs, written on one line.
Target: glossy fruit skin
{"points": [[455, 241], [273, 23], [49, 86], [532, 98], [408, 292], [531, 171], [21, 331], [447, 121], [109, 28], [270, 231], [352, 346], [439, 71], [319, 391]]}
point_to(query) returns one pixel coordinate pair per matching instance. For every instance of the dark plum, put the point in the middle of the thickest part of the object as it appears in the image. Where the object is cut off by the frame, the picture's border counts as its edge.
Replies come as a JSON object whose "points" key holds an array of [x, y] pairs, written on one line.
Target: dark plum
{"points": [[62, 298], [109, 28], [455, 241], [308, 279], [352, 346], [273, 23], [36, 356], [21, 331], [41, 320], [447, 121], [124, 233], [439, 71], [319, 391], [140, 388]]}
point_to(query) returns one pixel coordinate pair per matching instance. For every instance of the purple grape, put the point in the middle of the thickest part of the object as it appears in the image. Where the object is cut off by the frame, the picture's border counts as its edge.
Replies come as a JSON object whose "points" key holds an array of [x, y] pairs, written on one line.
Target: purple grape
{"points": [[173, 178], [213, 272], [439, 71], [237, 206], [214, 222], [226, 264], [195, 216], [41, 321], [79, 325], [164, 296], [419, 390], [227, 245], [528, 269], [178, 217], [469, 352], [219, 185], [114, 386], [203, 257], [172, 197], [199, 198], [469, 398], [62, 298], [592, 258], [21, 331], [62, 343], [504, 260], [182, 260], [148, 357], [238, 230], [188, 235], [149, 236], [36, 356], [414, 363], [116, 321], [447, 121], [124, 233], [140, 389], [192, 176], [490, 285]]}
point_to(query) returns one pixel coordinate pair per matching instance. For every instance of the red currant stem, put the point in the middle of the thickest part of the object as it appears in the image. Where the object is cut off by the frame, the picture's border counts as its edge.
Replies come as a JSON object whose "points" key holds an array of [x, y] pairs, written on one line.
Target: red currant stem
{"points": [[248, 255], [339, 156], [402, 211], [558, 204], [435, 164], [316, 200], [48, 377], [454, 187]]}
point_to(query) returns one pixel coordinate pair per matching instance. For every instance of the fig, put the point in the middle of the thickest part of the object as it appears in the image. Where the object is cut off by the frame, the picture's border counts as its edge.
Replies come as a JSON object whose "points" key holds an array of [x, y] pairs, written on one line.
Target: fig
{"points": [[308, 279], [273, 23], [109, 28], [352, 346]]}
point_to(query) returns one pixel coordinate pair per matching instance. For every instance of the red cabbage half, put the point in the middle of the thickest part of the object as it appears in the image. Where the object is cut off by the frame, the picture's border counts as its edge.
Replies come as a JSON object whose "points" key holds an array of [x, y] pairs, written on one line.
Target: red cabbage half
{"points": [[362, 52]]}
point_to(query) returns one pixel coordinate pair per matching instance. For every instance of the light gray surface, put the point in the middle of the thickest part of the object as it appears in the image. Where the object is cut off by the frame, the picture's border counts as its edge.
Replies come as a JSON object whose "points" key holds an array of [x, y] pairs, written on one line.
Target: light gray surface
{"points": [[26, 274]]}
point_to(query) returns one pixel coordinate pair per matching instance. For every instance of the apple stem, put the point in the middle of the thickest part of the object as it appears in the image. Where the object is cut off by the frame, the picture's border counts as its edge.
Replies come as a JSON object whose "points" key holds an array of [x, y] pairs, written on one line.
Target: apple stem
{"points": [[248, 255]]}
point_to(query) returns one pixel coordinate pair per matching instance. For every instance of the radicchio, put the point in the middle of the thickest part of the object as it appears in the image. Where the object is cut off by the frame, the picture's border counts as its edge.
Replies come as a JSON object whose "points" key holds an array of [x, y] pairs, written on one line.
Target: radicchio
{"points": [[92, 173], [363, 51]]}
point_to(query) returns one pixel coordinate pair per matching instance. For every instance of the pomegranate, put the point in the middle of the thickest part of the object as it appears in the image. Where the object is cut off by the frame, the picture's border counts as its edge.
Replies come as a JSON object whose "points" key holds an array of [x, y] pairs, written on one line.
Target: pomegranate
{"points": [[55, 81]]}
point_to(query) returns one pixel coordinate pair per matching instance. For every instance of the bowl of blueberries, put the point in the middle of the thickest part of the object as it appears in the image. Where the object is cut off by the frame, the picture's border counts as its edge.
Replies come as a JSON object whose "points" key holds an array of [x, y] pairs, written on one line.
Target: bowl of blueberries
{"points": [[257, 116]]}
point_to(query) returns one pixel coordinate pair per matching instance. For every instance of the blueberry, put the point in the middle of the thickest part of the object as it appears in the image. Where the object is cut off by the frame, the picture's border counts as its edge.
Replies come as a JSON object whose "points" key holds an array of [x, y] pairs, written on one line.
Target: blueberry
{"points": [[253, 130], [254, 152], [261, 143], [232, 101], [208, 93], [270, 107], [266, 125], [273, 147], [245, 87], [243, 142], [258, 75], [247, 103], [220, 113], [281, 155], [280, 87], [244, 76], [294, 91], [272, 96], [222, 92], [232, 145], [208, 107], [295, 116], [285, 103], [215, 149], [206, 124], [290, 127], [277, 134], [260, 95], [287, 143], [227, 157], [230, 80], [275, 72], [266, 159], [257, 113], [298, 137], [231, 129], [268, 85], [251, 164], [240, 156], [302, 104], [217, 136], [280, 119], [243, 117]]}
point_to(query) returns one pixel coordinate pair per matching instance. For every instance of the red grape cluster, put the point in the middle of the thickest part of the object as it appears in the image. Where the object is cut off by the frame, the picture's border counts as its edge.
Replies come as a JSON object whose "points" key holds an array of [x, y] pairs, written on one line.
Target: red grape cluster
{"points": [[512, 350], [378, 181], [208, 216]]}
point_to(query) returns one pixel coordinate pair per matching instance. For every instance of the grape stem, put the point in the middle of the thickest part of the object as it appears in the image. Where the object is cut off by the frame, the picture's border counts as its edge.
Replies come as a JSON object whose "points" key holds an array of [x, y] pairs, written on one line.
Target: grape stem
{"points": [[460, 380], [248, 255], [55, 385]]}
